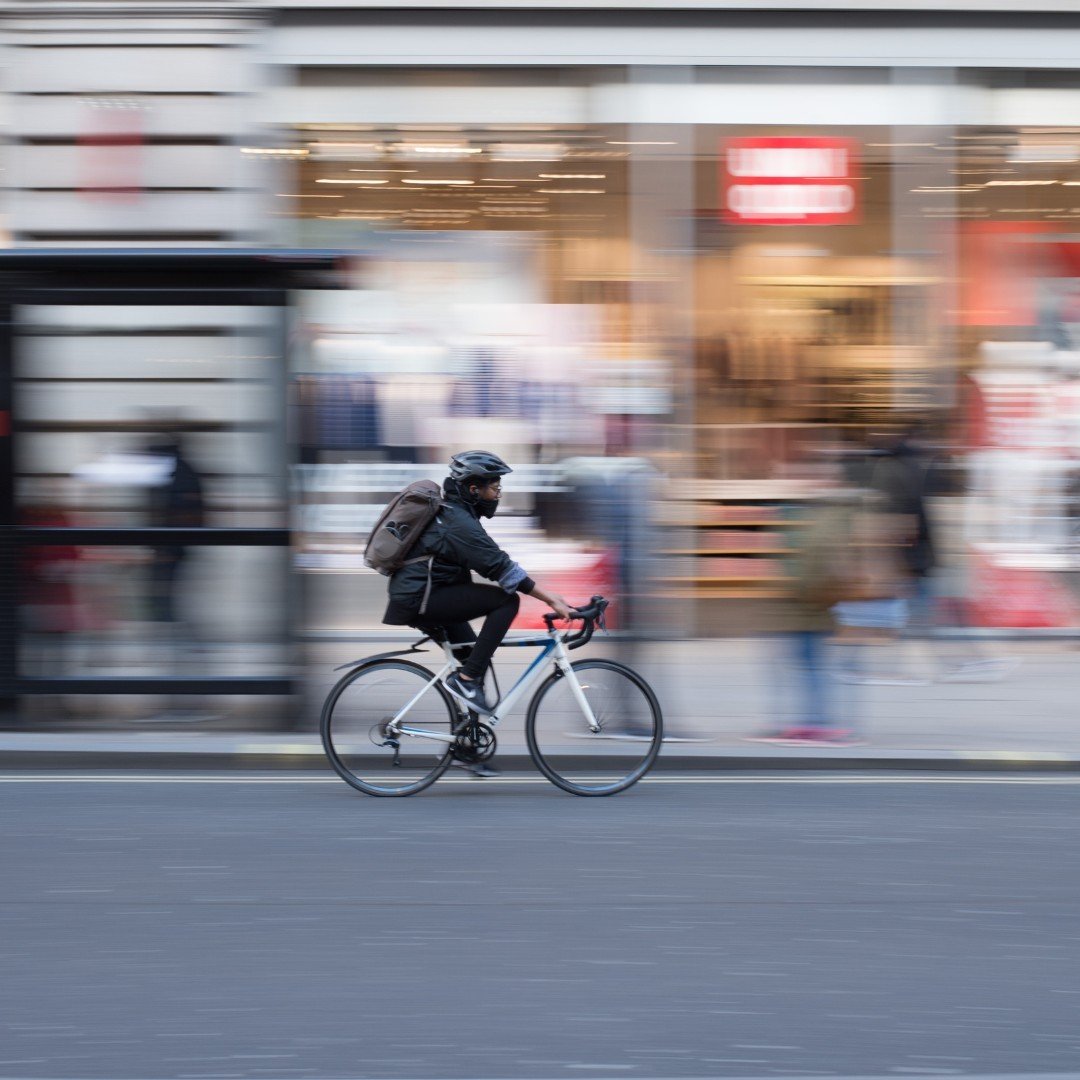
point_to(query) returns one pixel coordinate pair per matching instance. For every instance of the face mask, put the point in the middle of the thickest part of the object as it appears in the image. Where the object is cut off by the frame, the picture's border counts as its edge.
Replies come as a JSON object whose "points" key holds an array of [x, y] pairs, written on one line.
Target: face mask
{"points": [[487, 507]]}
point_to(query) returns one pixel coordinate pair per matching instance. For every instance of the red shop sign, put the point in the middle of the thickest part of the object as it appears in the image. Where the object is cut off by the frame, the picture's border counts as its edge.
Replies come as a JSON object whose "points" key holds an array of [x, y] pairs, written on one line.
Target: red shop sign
{"points": [[789, 180]]}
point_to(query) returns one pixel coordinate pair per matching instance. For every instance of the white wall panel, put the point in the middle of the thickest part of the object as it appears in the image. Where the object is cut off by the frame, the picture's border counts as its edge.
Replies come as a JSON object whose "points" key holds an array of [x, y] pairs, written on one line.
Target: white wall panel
{"points": [[766, 100], [148, 317], [903, 46], [426, 105], [59, 117], [192, 30], [1033, 107], [127, 71], [63, 452], [42, 211], [732, 103], [761, 103], [155, 166], [969, 6], [142, 357], [122, 403]]}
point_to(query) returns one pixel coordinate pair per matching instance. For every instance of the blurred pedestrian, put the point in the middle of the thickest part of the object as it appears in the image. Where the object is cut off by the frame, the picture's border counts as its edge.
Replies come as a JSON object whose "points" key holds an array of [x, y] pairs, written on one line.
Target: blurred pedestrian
{"points": [[875, 606], [611, 500], [892, 553], [820, 578], [176, 501], [906, 472]]}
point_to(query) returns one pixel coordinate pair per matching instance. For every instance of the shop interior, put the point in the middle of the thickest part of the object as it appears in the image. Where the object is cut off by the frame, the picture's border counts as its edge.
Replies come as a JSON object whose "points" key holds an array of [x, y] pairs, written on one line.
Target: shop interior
{"points": [[724, 347]]}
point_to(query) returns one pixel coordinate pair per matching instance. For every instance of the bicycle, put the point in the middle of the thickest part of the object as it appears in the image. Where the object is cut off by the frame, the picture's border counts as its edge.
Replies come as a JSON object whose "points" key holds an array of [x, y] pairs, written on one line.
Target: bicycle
{"points": [[390, 728]]}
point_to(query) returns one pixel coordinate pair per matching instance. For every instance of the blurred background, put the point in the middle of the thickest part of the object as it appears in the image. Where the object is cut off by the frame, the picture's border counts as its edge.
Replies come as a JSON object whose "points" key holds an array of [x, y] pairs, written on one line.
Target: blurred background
{"points": [[692, 272]]}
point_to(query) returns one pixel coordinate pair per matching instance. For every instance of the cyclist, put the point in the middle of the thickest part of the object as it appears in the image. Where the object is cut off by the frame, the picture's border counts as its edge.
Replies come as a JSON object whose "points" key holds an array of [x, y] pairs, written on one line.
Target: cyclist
{"points": [[435, 591]]}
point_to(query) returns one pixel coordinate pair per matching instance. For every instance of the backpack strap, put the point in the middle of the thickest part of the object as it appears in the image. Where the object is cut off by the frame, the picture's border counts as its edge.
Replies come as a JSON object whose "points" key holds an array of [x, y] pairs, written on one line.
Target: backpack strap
{"points": [[430, 563], [427, 587]]}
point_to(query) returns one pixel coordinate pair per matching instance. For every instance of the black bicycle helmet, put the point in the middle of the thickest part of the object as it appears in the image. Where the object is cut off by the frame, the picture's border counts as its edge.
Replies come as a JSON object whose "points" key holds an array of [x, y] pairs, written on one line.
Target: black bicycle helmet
{"points": [[477, 464]]}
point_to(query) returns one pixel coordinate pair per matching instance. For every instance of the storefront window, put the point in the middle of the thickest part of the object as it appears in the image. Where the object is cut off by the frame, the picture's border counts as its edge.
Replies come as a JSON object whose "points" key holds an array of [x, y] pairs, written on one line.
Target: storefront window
{"points": [[721, 270], [492, 298], [803, 317]]}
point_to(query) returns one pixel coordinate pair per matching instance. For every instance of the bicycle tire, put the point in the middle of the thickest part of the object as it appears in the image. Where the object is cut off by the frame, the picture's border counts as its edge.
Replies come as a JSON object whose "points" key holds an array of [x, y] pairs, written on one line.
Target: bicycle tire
{"points": [[606, 761], [344, 730]]}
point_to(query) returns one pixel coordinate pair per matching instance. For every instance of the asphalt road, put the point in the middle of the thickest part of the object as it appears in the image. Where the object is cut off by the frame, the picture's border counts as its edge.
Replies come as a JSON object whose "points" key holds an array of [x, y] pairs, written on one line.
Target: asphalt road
{"points": [[232, 927]]}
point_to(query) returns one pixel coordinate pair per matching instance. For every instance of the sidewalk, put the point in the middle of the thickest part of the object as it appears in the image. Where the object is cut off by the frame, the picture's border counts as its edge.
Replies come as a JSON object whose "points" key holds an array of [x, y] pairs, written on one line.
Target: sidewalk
{"points": [[719, 692]]}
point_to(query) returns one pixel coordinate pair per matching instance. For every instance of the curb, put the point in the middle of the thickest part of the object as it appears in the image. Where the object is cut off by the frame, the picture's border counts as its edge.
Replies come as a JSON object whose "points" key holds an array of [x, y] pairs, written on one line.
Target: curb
{"points": [[304, 758]]}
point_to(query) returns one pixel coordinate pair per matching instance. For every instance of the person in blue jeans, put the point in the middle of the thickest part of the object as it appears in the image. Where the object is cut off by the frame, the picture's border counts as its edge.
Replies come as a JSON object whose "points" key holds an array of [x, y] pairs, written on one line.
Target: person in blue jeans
{"points": [[819, 580]]}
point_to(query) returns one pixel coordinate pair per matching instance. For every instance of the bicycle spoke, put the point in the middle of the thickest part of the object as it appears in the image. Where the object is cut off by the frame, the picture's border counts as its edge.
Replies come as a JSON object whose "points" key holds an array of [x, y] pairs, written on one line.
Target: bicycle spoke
{"points": [[362, 740], [625, 742]]}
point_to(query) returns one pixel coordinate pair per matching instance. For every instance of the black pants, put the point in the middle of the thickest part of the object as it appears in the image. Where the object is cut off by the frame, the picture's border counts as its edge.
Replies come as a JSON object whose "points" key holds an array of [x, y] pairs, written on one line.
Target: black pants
{"points": [[449, 611]]}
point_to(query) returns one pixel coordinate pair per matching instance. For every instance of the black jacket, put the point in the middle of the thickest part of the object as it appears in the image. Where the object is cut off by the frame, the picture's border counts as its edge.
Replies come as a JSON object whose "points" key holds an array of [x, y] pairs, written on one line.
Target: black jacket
{"points": [[177, 503], [459, 545], [901, 475]]}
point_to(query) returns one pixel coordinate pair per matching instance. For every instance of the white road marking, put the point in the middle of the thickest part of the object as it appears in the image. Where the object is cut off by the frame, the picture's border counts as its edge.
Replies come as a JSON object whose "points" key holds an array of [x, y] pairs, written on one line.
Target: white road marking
{"points": [[177, 778], [822, 1075]]}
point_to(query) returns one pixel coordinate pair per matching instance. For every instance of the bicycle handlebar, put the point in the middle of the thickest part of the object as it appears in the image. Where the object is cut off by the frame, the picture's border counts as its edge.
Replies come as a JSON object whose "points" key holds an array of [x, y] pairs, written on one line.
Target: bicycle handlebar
{"points": [[592, 615]]}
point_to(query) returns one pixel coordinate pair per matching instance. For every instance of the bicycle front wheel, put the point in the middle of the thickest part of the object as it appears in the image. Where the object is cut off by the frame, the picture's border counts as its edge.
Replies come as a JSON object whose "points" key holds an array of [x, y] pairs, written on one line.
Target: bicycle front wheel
{"points": [[354, 728], [586, 762]]}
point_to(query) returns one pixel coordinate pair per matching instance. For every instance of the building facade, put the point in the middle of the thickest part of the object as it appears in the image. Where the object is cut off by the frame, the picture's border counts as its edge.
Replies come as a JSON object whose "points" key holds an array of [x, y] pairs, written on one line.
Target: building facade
{"points": [[710, 234]]}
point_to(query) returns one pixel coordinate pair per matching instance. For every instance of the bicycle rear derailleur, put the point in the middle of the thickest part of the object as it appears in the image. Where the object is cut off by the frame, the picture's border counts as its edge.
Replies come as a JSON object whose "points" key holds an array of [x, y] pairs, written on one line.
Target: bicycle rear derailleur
{"points": [[380, 737]]}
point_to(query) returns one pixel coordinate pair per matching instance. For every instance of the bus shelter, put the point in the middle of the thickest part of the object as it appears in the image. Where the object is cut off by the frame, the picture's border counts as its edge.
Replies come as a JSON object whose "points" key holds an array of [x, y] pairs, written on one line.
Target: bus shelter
{"points": [[144, 461]]}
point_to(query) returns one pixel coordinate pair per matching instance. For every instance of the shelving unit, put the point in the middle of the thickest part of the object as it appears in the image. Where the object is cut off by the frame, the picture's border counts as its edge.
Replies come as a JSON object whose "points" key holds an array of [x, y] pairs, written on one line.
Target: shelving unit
{"points": [[867, 339], [741, 570]]}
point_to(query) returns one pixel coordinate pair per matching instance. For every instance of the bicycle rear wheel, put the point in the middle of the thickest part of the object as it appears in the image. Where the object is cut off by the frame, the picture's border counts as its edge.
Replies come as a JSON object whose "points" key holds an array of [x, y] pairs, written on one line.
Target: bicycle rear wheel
{"points": [[353, 726], [607, 761]]}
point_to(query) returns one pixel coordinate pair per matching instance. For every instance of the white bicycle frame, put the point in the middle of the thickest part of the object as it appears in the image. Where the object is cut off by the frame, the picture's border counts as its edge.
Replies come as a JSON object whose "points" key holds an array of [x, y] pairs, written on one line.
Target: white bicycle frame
{"points": [[552, 648]]}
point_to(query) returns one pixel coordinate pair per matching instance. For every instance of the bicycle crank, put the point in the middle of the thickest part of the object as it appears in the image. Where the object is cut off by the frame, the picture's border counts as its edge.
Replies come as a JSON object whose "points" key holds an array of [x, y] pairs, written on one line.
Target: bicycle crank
{"points": [[479, 745]]}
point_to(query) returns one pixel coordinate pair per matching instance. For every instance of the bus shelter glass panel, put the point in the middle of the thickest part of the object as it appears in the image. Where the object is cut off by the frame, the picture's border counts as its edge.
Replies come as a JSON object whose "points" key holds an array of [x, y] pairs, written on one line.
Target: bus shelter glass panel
{"points": [[151, 416]]}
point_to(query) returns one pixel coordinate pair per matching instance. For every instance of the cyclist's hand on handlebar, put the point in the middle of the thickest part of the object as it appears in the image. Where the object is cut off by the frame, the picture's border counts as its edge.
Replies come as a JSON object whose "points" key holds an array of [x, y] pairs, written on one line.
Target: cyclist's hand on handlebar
{"points": [[557, 603], [562, 608]]}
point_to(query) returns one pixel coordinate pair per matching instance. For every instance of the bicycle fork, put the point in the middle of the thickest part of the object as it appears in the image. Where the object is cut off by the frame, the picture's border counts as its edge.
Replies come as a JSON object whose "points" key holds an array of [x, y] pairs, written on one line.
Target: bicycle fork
{"points": [[562, 663]]}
